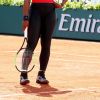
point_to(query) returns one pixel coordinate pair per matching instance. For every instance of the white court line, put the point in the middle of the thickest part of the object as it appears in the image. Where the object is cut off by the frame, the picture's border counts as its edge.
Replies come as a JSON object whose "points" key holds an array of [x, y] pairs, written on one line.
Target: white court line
{"points": [[70, 90]]}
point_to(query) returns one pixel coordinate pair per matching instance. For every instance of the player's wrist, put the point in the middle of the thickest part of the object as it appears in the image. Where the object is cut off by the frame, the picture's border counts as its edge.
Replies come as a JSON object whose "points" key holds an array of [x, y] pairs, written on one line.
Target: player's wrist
{"points": [[62, 4], [25, 17]]}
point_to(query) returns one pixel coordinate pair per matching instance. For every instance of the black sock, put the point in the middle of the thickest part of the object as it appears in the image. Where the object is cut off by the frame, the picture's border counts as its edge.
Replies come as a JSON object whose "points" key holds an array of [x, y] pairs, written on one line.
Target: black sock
{"points": [[24, 75], [41, 73]]}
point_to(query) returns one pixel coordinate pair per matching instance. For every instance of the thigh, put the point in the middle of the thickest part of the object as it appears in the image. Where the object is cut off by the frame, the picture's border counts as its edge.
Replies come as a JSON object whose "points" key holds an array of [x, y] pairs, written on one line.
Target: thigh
{"points": [[33, 29], [47, 29]]}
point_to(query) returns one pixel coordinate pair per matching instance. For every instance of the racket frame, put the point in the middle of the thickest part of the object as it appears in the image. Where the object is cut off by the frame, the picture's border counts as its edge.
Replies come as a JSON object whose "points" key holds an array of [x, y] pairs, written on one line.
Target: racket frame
{"points": [[25, 39]]}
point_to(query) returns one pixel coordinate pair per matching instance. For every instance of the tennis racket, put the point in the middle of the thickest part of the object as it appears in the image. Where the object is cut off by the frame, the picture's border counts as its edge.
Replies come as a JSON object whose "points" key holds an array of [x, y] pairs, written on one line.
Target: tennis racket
{"points": [[23, 59]]}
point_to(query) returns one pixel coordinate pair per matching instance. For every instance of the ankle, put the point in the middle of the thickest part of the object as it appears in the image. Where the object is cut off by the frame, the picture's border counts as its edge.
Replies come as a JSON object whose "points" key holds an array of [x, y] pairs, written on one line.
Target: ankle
{"points": [[40, 72], [24, 75]]}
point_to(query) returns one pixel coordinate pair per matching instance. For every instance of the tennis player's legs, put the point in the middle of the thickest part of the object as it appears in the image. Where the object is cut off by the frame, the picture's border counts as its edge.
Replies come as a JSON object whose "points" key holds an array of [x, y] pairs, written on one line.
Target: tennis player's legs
{"points": [[48, 24], [47, 28], [33, 37], [41, 27]]}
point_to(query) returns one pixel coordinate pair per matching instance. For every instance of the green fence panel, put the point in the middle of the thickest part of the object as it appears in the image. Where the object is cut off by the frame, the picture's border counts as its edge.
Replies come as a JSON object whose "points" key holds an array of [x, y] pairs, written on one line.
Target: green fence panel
{"points": [[11, 19]]}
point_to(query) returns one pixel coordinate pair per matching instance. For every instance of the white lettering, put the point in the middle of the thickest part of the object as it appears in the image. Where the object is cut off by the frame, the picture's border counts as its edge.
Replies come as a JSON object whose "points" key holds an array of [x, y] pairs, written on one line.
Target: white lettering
{"points": [[94, 24], [79, 24], [62, 21], [75, 24], [98, 29], [88, 23]]}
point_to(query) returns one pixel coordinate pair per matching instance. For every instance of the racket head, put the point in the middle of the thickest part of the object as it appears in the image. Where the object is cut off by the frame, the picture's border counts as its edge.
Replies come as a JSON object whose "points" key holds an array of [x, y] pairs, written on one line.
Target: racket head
{"points": [[23, 58], [23, 61]]}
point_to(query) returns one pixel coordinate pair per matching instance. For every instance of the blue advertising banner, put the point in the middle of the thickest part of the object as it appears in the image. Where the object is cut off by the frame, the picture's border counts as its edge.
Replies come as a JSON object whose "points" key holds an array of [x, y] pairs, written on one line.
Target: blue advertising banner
{"points": [[11, 20], [72, 24], [78, 24]]}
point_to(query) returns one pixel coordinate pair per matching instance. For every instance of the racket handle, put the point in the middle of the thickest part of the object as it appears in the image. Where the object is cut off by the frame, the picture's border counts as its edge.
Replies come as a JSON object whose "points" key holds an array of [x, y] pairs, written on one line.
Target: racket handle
{"points": [[25, 32]]}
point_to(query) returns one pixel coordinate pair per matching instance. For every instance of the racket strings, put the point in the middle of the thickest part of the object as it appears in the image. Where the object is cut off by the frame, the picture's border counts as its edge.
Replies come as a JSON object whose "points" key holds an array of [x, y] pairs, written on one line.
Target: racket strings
{"points": [[23, 59], [26, 59]]}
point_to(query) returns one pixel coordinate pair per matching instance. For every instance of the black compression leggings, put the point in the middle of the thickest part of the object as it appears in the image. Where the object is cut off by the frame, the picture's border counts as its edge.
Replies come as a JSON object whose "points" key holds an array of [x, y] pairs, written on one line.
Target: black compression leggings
{"points": [[41, 24]]}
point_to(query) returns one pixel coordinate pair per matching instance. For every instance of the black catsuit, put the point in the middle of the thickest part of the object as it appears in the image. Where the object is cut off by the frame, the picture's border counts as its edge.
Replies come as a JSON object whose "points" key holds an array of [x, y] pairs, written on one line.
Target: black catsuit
{"points": [[41, 24]]}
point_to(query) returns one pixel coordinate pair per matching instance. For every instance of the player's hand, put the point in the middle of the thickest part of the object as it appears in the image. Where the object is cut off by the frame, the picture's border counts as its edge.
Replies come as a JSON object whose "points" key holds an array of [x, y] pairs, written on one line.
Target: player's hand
{"points": [[25, 24], [63, 3], [57, 5]]}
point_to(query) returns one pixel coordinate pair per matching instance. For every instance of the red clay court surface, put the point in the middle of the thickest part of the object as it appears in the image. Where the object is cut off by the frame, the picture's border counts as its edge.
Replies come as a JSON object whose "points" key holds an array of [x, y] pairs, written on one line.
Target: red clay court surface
{"points": [[73, 71]]}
